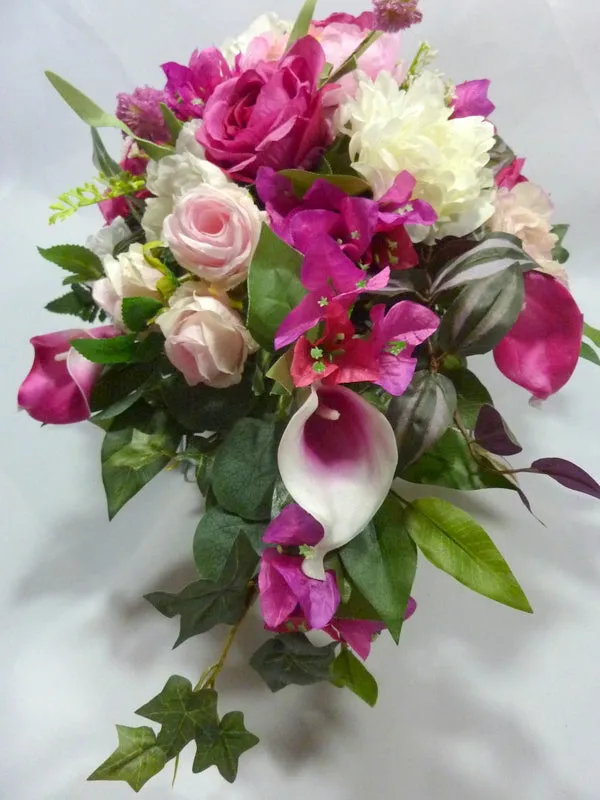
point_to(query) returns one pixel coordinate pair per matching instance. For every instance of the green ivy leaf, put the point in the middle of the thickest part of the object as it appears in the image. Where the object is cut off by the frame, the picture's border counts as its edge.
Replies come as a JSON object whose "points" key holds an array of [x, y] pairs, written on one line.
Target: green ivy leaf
{"points": [[182, 714], [302, 181], [138, 432], [245, 469], [292, 659], [139, 311], [483, 313], [348, 671], [74, 258], [201, 408], [204, 604], [222, 746], [137, 758], [274, 286], [421, 415], [215, 537], [455, 543], [382, 563], [302, 23]]}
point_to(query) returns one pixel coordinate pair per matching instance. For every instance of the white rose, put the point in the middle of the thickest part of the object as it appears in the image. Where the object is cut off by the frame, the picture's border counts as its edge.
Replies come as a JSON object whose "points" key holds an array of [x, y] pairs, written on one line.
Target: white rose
{"points": [[128, 275], [205, 339], [174, 176], [104, 242], [393, 129], [526, 211], [213, 232]]}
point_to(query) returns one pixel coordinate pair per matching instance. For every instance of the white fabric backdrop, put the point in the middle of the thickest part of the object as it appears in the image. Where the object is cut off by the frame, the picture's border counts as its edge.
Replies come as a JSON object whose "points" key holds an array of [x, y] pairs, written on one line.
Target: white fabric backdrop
{"points": [[479, 701]]}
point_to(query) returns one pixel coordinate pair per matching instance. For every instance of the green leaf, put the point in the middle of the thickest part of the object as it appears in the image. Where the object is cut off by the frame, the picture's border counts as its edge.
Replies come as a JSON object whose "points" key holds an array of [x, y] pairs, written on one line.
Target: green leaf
{"points": [[450, 463], [280, 373], [472, 395], [222, 747], [592, 334], [182, 714], [100, 157], [302, 23], [421, 415], [559, 253], [302, 181], [274, 286], [458, 545], [173, 124], [139, 429], [139, 311], [292, 659], [117, 384], [587, 352], [483, 313], [215, 537], [78, 302], [204, 604], [201, 408], [245, 469], [382, 563], [117, 350], [347, 671], [85, 108], [74, 258], [137, 758]]}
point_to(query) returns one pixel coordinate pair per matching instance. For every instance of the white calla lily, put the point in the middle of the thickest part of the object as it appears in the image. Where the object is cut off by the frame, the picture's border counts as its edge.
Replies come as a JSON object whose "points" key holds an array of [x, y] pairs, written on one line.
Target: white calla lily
{"points": [[337, 459]]}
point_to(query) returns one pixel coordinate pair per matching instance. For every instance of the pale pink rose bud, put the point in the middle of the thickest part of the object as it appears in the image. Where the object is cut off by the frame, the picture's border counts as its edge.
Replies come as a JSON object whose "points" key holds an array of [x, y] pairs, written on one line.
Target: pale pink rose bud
{"points": [[213, 232], [205, 339]]}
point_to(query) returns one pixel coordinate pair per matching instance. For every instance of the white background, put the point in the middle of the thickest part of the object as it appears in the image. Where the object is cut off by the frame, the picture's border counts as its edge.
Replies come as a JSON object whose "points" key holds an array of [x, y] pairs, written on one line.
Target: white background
{"points": [[479, 701]]}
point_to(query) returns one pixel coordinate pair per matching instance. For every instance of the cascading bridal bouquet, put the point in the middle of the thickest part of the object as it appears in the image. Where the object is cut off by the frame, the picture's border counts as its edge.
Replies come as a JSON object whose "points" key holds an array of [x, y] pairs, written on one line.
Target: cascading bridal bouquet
{"points": [[305, 240]]}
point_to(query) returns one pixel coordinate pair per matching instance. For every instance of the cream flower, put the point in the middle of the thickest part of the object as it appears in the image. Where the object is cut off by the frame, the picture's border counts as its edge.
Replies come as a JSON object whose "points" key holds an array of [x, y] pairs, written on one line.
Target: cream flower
{"points": [[525, 211], [392, 130], [128, 275], [268, 27]]}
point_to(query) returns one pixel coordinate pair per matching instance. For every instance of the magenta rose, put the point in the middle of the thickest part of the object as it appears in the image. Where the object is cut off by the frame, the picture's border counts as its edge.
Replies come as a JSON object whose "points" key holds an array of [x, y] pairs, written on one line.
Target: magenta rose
{"points": [[272, 115], [58, 388]]}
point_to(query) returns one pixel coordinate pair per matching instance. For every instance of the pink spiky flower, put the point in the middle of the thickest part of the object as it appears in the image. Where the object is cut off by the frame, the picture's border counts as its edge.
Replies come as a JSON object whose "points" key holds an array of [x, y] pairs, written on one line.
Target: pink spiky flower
{"points": [[396, 15]]}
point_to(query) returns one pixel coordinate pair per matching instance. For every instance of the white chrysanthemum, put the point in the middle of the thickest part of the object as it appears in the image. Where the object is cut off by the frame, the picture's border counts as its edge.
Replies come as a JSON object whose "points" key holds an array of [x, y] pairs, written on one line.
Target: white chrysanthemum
{"points": [[392, 130]]}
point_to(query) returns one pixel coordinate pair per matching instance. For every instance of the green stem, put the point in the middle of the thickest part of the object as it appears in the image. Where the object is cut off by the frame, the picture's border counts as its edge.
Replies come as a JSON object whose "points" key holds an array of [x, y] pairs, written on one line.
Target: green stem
{"points": [[418, 63], [350, 63]]}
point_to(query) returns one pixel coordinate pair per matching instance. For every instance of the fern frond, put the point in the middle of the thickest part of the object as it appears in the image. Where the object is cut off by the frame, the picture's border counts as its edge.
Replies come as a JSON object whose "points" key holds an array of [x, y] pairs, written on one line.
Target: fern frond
{"points": [[93, 192]]}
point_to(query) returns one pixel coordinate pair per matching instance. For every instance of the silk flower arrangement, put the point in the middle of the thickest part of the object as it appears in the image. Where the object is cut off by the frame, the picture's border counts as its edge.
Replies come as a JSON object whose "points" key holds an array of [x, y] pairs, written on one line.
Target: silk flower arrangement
{"points": [[306, 238]]}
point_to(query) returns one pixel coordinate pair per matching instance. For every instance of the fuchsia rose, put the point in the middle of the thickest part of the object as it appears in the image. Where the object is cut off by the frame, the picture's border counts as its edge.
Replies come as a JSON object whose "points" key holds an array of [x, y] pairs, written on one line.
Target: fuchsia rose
{"points": [[213, 232], [542, 350], [272, 115], [188, 89], [58, 388]]}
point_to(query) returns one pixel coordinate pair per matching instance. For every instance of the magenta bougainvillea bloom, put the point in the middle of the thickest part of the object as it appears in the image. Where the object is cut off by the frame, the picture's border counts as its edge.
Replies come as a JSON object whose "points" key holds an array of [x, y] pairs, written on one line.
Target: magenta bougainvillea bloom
{"points": [[283, 585], [58, 388], [396, 15], [472, 100], [511, 175], [272, 115], [542, 350]]}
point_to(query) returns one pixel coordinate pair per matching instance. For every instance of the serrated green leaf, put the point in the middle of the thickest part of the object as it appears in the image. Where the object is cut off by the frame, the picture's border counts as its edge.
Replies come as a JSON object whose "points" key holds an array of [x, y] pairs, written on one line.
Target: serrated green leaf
{"points": [[215, 538], [75, 304], [74, 258], [139, 311], [137, 758], [222, 747], [117, 350], [588, 353], [292, 659], [204, 604], [347, 671], [455, 543], [122, 482], [274, 286], [382, 563], [421, 416], [245, 469], [182, 714], [302, 23]]}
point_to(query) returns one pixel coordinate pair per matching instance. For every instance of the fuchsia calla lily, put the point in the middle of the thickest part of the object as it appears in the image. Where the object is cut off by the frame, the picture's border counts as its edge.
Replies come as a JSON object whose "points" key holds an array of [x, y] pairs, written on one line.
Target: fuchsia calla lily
{"points": [[58, 388], [337, 459], [542, 350]]}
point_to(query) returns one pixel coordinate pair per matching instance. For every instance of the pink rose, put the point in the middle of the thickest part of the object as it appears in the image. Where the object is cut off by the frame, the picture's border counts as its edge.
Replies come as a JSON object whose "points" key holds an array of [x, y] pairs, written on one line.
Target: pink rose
{"points": [[213, 232], [205, 339], [58, 388], [272, 115]]}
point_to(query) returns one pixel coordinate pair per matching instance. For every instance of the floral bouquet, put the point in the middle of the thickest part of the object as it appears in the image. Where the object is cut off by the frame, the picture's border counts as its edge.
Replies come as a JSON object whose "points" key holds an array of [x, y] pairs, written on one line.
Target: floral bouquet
{"points": [[305, 240]]}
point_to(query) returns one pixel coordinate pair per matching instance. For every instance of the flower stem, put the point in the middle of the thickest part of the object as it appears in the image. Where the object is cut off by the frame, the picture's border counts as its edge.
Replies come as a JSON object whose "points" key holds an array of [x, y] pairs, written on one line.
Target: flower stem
{"points": [[349, 64], [210, 675]]}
